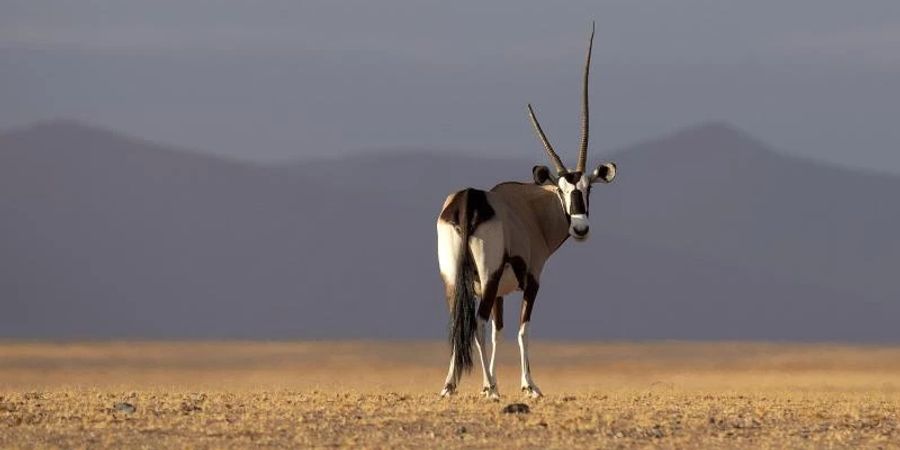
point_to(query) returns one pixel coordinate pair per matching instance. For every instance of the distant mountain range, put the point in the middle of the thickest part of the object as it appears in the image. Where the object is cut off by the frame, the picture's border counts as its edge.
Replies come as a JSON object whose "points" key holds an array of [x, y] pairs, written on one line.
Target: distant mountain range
{"points": [[706, 234]]}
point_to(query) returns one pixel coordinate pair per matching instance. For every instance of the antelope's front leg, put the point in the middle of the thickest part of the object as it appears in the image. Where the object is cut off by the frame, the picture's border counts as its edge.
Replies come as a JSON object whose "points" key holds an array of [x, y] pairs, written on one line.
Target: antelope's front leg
{"points": [[496, 335], [528, 387]]}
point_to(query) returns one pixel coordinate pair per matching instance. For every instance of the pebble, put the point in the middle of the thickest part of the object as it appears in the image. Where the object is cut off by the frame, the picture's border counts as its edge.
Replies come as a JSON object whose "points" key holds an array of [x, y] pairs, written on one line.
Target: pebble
{"points": [[125, 407]]}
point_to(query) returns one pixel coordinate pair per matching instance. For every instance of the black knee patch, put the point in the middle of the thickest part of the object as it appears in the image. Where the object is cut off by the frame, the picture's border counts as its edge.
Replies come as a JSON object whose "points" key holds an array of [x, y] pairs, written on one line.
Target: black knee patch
{"points": [[519, 268]]}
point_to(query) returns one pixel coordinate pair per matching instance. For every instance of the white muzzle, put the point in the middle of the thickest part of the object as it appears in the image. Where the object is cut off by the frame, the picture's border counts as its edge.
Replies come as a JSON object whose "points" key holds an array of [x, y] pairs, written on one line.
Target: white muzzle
{"points": [[579, 226]]}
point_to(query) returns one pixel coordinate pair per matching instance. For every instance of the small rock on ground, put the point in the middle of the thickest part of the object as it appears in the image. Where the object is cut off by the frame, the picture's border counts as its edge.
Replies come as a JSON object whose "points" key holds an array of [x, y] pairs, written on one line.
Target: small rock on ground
{"points": [[125, 407]]}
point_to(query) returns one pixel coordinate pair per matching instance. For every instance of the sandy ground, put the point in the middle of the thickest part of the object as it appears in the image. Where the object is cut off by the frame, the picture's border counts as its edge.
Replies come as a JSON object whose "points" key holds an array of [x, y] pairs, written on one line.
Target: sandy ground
{"points": [[327, 394]]}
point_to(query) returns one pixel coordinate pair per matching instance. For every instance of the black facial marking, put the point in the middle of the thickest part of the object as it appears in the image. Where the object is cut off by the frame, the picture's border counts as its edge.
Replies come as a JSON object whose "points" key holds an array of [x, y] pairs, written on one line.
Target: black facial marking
{"points": [[572, 177], [578, 203]]}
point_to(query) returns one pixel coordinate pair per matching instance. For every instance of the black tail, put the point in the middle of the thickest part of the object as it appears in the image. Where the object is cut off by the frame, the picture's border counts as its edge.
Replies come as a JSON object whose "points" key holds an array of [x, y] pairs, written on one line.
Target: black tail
{"points": [[467, 210], [463, 325]]}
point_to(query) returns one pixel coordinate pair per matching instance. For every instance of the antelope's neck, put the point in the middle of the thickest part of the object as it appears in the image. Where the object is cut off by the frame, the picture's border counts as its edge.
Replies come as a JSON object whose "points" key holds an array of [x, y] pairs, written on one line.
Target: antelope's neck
{"points": [[556, 225]]}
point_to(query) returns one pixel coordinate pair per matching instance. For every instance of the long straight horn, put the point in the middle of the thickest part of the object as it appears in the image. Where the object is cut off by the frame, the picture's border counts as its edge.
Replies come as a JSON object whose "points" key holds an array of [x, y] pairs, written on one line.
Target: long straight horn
{"points": [[582, 155], [560, 167]]}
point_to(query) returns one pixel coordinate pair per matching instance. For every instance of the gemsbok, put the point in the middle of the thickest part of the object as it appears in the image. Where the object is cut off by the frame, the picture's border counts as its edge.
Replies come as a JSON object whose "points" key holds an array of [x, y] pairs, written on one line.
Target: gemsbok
{"points": [[492, 243]]}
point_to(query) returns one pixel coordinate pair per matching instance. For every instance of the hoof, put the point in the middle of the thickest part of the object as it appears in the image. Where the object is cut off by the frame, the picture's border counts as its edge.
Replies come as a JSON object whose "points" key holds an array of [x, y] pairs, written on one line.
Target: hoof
{"points": [[448, 390], [531, 391], [491, 393]]}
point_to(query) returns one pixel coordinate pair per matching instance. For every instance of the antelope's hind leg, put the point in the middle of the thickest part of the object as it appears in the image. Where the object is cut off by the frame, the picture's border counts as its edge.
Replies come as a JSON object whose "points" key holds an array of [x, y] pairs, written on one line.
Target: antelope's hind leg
{"points": [[488, 253], [452, 379], [528, 387], [449, 242], [489, 385], [451, 382]]}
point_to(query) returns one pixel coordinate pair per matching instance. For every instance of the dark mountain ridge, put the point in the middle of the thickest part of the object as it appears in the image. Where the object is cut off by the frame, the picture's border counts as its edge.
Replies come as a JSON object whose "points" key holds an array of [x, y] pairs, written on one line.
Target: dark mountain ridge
{"points": [[706, 234]]}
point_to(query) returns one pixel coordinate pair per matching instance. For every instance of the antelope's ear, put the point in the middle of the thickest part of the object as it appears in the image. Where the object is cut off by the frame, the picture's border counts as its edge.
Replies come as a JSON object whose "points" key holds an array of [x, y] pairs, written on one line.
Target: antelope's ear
{"points": [[604, 172], [541, 174]]}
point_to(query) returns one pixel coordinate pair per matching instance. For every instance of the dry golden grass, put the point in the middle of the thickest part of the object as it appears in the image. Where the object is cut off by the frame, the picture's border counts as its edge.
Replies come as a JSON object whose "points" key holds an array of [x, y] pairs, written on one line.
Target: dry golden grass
{"points": [[325, 394]]}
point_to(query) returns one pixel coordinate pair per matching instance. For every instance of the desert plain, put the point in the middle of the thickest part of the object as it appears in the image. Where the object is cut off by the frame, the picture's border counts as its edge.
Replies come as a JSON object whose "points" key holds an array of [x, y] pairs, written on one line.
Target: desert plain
{"points": [[318, 394]]}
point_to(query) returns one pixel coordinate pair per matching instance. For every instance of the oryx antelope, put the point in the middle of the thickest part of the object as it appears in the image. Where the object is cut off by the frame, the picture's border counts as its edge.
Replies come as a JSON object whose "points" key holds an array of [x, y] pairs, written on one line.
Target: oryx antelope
{"points": [[491, 243]]}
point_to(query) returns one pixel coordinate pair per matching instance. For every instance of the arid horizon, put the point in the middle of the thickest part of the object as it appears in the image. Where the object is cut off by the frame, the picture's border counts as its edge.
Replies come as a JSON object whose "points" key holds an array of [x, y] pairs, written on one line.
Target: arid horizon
{"points": [[385, 394]]}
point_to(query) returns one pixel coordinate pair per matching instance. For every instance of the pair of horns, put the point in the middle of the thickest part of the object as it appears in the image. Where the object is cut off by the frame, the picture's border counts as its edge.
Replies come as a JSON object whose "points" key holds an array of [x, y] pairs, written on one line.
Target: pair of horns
{"points": [[582, 154]]}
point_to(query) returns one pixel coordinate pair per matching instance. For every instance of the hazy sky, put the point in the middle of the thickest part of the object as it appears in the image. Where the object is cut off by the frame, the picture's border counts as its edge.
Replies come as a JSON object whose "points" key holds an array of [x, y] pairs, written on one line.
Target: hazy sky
{"points": [[271, 80]]}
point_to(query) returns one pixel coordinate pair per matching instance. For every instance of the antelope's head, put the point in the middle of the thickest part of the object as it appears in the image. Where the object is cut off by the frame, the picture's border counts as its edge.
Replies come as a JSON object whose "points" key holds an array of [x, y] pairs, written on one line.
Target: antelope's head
{"points": [[574, 186]]}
